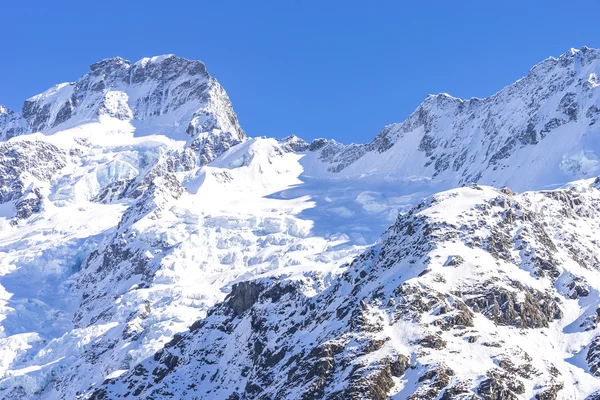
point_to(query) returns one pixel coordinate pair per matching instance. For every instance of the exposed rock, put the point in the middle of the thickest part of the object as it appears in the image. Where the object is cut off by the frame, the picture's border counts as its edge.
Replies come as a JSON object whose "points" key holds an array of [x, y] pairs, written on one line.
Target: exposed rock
{"points": [[500, 386], [29, 204], [11, 124], [18, 159], [432, 383], [593, 356], [243, 295], [550, 392], [533, 310], [294, 144]]}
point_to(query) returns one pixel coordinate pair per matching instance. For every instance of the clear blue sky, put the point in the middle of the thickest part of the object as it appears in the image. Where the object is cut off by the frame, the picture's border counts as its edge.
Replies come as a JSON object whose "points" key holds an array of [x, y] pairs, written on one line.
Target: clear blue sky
{"points": [[336, 69]]}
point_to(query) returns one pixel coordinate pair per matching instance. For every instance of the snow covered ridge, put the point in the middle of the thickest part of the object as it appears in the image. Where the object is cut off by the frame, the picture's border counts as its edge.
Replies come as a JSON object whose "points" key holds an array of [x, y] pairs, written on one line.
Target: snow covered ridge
{"points": [[159, 95], [548, 119], [474, 293], [545, 125]]}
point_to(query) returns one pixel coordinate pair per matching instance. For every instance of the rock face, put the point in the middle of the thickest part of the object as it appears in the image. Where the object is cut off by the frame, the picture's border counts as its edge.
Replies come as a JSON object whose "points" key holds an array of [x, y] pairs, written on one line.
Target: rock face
{"points": [[11, 124], [26, 169], [550, 136], [400, 320], [24, 160], [593, 357]]}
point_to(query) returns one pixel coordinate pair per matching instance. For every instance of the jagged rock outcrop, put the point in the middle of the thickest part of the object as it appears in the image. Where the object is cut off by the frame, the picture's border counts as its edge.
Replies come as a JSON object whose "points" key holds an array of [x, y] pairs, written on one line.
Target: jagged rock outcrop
{"points": [[593, 356], [26, 167], [25, 162], [11, 124], [294, 143], [500, 386]]}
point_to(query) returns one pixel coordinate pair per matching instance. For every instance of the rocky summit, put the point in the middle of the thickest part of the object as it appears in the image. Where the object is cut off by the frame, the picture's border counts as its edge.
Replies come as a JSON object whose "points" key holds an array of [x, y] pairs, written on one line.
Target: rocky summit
{"points": [[150, 249]]}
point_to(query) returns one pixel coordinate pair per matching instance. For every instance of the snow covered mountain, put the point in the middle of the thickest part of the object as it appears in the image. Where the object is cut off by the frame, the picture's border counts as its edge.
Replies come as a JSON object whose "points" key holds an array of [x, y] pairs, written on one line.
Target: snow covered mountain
{"points": [[149, 249], [544, 125], [163, 95]]}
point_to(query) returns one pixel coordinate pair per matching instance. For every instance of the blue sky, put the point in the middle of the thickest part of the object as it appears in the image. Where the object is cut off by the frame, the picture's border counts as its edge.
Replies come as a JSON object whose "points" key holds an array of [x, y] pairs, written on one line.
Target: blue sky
{"points": [[336, 69]]}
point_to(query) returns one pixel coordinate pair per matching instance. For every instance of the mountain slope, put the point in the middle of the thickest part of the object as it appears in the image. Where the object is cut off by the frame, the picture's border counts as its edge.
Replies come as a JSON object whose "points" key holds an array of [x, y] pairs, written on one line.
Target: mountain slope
{"points": [[472, 292], [11, 124]]}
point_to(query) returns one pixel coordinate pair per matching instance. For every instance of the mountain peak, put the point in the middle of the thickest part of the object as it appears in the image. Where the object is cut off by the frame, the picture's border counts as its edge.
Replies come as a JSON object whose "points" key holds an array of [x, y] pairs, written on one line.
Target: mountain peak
{"points": [[585, 54], [166, 91], [168, 65], [159, 59], [163, 94], [584, 50], [163, 67], [113, 62]]}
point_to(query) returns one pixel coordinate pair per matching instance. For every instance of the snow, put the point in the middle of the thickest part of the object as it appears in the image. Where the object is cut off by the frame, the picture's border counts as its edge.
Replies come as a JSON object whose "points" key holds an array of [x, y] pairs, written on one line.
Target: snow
{"points": [[540, 132], [62, 89]]}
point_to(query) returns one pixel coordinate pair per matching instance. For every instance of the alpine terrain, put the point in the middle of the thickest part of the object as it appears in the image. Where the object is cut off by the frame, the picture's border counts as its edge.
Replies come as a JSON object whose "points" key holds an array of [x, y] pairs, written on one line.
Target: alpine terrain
{"points": [[150, 249]]}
